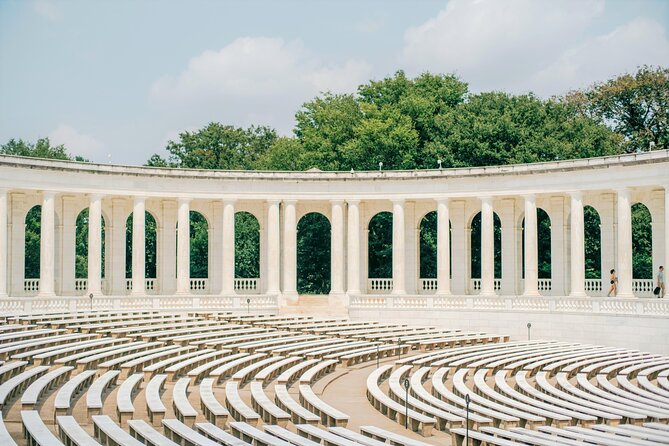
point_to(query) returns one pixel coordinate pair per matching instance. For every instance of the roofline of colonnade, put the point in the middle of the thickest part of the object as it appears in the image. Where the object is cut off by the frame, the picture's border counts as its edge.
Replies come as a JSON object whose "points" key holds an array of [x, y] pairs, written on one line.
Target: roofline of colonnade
{"points": [[316, 175]]}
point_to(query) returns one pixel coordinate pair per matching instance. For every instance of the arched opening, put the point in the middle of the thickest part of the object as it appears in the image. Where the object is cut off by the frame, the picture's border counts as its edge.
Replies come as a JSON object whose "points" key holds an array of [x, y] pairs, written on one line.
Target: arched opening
{"points": [[32, 242], [476, 246], [380, 246], [81, 246], [642, 242], [150, 246], [428, 245], [247, 246], [199, 246], [593, 243], [544, 265], [313, 254]]}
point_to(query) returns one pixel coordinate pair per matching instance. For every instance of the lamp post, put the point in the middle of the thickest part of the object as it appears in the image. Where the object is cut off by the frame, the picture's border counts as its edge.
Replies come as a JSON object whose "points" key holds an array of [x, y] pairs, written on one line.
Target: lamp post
{"points": [[399, 348], [378, 355], [467, 401], [90, 296], [439, 162], [248, 305], [529, 326], [380, 165], [406, 403]]}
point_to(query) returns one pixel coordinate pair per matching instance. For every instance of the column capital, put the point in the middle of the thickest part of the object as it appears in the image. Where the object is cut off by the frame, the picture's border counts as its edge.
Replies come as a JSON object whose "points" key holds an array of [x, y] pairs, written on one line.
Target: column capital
{"points": [[529, 197], [227, 200], [445, 200], [337, 201], [95, 197], [290, 202], [575, 194], [623, 191], [273, 201], [139, 198], [353, 201], [399, 201], [184, 200], [486, 199], [48, 194]]}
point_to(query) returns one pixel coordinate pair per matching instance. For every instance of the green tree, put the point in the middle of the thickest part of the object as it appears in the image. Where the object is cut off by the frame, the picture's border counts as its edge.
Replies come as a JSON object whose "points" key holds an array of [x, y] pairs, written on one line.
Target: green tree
{"points": [[313, 254], [636, 106], [247, 245], [40, 149]]}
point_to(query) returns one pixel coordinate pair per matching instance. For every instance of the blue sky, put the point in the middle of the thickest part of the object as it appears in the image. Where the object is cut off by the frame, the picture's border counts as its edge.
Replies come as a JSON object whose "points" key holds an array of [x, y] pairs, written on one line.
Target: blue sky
{"points": [[115, 80]]}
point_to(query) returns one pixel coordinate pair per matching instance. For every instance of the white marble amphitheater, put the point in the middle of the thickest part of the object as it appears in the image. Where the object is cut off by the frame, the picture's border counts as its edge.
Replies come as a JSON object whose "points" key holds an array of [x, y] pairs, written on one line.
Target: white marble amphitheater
{"points": [[405, 361]]}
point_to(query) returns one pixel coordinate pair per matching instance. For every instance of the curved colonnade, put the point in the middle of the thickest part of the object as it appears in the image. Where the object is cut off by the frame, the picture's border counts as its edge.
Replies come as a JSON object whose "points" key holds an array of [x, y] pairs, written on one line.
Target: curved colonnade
{"points": [[349, 200], [211, 378]]}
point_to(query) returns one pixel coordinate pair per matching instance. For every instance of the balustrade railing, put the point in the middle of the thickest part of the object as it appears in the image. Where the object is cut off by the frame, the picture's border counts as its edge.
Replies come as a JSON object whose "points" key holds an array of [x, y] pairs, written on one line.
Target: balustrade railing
{"points": [[80, 285], [643, 287], [427, 286], [379, 286], [199, 286], [475, 284], [544, 286], [246, 285], [31, 285], [593, 287]]}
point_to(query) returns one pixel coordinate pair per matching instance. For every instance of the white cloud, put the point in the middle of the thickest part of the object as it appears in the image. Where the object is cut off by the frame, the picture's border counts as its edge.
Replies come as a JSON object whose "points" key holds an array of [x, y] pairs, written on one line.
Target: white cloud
{"points": [[253, 80], [497, 44], [369, 26], [47, 9], [77, 143], [641, 41]]}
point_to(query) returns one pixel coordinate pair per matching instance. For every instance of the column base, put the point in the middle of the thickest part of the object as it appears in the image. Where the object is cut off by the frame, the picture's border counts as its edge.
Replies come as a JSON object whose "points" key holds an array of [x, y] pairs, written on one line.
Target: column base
{"points": [[46, 294], [288, 298], [578, 294], [531, 294], [487, 293], [398, 292], [338, 299], [95, 293], [625, 295]]}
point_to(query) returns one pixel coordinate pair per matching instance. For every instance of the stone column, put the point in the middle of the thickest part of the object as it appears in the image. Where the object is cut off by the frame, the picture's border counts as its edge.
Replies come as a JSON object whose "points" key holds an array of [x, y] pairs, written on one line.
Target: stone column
{"points": [[443, 247], [289, 251], [577, 237], [117, 229], [624, 244], [183, 246], [353, 245], [666, 235], [228, 261], [138, 246], [47, 245], [507, 216], [273, 248], [4, 252], [531, 249], [337, 248], [95, 245], [398, 248], [487, 247], [459, 283]]}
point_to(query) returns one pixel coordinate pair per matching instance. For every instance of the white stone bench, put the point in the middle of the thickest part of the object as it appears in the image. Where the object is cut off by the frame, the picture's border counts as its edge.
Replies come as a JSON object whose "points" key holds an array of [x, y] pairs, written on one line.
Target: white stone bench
{"points": [[254, 436], [111, 434], [224, 331], [92, 361], [44, 383], [440, 390], [346, 345], [329, 415], [155, 408], [10, 369], [35, 431], [290, 437], [291, 374], [318, 342], [212, 409], [5, 438], [25, 346], [316, 434], [184, 435], [197, 373], [115, 363], [299, 414], [217, 434], [356, 437], [11, 387], [458, 436], [348, 359], [393, 438], [181, 363], [167, 335], [97, 389], [317, 371], [237, 407], [49, 356], [245, 374], [225, 341], [391, 408], [142, 431], [253, 345], [223, 371], [183, 410], [267, 374], [74, 357], [270, 412], [446, 414], [8, 338], [72, 434], [628, 430], [139, 330], [503, 386], [133, 365], [125, 410]]}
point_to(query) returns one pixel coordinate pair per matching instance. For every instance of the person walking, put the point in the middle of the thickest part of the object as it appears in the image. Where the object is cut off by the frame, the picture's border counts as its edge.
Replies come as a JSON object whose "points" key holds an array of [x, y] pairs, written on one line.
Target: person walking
{"points": [[660, 282], [614, 284]]}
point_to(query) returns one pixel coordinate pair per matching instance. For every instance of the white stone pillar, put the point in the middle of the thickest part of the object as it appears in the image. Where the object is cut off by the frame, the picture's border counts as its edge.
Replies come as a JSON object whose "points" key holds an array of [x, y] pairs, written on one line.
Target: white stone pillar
{"points": [[183, 246], [289, 251], [624, 244], [487, 247], [47, 245], [443, 247], [666, 235], [337, 248], [507, 216], [353, 247], [577, 237], [138, 246], [531, 249], [273, 248], [228, 261], [95, 245], [399, 272], [459, 284], [4, 251]]}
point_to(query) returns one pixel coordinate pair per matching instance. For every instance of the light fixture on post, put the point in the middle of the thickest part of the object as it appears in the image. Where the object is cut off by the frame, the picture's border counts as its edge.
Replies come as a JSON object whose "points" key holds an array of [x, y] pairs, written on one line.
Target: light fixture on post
{"points": [[406, 403], [439, 162], [380, 165], [467, 401], [90, 296], [248, 305], [529, 326]]}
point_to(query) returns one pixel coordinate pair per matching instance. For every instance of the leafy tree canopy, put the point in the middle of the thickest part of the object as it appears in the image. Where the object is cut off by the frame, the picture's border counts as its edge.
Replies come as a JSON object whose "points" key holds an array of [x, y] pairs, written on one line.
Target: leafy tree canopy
{"points": [[41, 149]]}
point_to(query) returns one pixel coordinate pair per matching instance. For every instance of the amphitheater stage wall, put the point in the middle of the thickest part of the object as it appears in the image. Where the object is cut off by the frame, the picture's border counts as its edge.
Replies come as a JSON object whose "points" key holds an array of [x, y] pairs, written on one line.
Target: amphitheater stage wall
{"points": [[646, 332]]}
